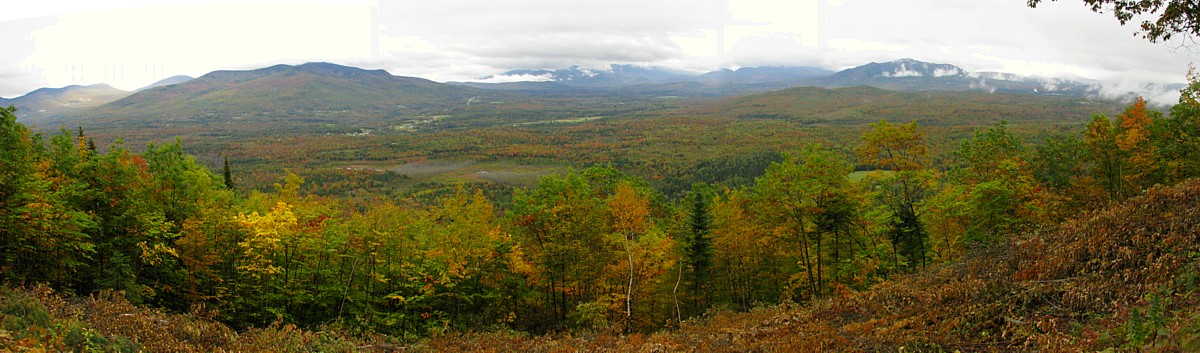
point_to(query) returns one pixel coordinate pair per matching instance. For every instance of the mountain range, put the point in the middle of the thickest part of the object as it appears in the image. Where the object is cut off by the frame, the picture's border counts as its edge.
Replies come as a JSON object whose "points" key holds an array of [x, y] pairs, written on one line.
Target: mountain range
{"points": [[898, 75], [330, 90], [629, 79]]}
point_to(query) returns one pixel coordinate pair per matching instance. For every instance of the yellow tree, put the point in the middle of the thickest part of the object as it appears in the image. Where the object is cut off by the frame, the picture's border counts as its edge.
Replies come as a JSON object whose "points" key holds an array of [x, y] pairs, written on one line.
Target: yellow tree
{"points": [[629, 212], [1124, 158], [264, 236], [562, 226], [894, 147], [745, 253], [462, 234], [462, 255], [208, 239]]}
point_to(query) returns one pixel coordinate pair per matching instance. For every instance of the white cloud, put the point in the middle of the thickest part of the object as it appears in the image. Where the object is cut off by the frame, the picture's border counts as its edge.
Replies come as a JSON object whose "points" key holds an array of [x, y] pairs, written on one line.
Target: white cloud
{"points": [[131, 47], [852, 45], [1033, 68], [983, 85], [946, 72], [701, 43], [1153, 93], [517, 78], [903, 71], [797, 20], [405, 44]]}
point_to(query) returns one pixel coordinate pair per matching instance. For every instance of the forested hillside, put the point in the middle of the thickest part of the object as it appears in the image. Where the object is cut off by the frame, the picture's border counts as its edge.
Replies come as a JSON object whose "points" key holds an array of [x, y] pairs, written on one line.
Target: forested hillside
{"points": [[986, 239]]}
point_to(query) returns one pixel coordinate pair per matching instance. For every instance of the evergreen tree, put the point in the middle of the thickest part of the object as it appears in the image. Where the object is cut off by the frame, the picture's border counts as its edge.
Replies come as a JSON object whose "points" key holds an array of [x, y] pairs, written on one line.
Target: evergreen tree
{"points": [[228, 175], [699, 246]]}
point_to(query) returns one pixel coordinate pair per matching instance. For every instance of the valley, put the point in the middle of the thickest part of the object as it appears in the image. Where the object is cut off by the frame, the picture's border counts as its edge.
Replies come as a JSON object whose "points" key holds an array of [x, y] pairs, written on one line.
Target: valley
{"points": [[269, 119]]}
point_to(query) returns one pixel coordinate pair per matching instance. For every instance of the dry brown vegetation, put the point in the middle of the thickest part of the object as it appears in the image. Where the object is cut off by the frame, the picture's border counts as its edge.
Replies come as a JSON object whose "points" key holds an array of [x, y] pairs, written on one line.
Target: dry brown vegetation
{"points": [[40, 320], [1123, 277]]}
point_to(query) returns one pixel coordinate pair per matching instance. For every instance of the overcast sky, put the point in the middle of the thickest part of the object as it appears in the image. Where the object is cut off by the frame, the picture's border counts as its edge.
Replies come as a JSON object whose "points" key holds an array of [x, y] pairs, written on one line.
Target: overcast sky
{"points": [[132, 43]]}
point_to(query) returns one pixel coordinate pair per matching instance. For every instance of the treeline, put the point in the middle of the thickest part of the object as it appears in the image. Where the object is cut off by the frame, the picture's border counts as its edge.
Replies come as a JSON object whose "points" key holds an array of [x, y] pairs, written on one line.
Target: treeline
{"points": [[593, 249]]}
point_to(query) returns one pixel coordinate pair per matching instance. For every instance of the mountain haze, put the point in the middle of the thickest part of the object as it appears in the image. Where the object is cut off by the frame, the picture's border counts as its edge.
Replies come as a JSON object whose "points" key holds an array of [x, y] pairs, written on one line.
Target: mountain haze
{"points": [[613, 76], [763, 76], [897, 75], [38, 106], [630, 79], [166, 82]]}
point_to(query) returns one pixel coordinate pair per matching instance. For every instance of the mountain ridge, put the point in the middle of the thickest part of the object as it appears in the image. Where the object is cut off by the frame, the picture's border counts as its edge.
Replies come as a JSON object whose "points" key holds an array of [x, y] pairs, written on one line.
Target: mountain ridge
{"points": [[331, 90], [166, 82], [284, 90]]}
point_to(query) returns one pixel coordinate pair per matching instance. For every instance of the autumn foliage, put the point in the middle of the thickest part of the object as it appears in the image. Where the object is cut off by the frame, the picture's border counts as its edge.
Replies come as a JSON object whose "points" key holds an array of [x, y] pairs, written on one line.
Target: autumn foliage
{"points": [[1122, 277]]}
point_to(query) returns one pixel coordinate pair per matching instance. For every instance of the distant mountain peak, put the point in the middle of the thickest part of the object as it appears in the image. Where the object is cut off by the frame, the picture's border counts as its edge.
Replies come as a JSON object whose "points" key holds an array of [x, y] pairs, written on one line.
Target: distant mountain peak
{"points": [[66, 89], [315, 68], [167, 82], [916, 75], [36, 106], [324, 64], [908, 68], [335, 69]]}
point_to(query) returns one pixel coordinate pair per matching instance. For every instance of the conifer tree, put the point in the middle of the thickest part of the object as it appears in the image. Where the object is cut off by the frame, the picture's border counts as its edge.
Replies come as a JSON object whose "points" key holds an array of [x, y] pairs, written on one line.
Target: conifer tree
{"points": [[228, 175], [699, 246]]}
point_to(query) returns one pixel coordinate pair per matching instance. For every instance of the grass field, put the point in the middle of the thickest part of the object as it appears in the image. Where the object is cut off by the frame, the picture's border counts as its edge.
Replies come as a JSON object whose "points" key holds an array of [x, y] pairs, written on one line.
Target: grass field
{"points": [[467, 171], [858, 176], [564, 121]]}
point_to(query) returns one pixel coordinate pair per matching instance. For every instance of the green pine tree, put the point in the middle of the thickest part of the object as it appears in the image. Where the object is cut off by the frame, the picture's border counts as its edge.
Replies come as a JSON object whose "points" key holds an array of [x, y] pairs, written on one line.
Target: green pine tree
{"points": [[228, 175]]}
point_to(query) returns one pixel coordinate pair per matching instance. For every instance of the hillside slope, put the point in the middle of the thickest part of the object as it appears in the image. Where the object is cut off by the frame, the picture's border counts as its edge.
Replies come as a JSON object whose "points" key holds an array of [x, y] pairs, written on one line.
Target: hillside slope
{"points": [[1125, 277], [38, 106]]}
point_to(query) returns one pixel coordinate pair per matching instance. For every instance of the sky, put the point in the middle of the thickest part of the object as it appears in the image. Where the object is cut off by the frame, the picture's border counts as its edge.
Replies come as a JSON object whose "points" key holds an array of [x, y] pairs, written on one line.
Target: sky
{"points": [[133, 43]]}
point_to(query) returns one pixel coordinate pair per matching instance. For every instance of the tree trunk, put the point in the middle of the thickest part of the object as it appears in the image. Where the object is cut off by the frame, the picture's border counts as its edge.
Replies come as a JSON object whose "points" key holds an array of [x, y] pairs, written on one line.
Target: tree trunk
{"points": [[808, 268], [629, 289], [675, 295]]}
